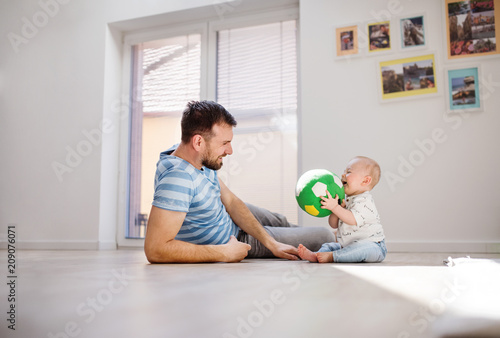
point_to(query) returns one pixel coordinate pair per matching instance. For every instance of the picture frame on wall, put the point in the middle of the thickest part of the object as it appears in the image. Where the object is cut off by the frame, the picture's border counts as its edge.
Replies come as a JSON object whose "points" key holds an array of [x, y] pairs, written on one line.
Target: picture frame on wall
{"points": [[463, 89], [472, 28], [379, 37], [406, 78], [412, 32], [347, 41]]}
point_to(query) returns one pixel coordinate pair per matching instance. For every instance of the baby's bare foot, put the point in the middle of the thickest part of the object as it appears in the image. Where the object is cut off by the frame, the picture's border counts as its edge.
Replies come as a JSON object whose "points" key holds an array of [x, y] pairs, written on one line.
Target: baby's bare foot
{"points": [[324, 257], [307, 254]]}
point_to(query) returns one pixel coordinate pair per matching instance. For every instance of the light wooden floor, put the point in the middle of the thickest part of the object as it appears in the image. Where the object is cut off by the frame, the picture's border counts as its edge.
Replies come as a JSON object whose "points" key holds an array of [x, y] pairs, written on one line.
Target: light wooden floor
{"points": [[118, 294]]}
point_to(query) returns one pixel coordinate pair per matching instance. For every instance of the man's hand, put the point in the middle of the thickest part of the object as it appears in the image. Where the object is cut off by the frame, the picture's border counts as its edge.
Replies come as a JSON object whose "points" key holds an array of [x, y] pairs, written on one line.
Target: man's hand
{"points": [[235, 251], [284, 251]]}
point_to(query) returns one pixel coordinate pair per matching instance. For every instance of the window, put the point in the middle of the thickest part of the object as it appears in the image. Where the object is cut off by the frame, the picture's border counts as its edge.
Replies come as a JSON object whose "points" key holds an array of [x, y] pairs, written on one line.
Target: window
{"points": [[257, 83], [252, 71], [166, 74]]}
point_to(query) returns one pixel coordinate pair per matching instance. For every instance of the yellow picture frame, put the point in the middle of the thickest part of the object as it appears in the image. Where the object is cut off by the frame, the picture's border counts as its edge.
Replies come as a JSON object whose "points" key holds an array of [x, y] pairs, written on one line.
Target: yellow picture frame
{"points": [[379, 37], [408, 77]]}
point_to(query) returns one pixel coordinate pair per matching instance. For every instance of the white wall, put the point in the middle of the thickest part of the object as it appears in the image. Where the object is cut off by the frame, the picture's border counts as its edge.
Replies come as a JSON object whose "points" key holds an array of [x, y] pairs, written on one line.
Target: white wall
{"points": [[52, 87], [450, 201], [64, 79]]}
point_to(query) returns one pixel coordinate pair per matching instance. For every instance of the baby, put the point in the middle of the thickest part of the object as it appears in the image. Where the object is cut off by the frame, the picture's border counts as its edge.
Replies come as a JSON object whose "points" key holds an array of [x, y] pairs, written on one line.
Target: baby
{"points": [[360, 237]]}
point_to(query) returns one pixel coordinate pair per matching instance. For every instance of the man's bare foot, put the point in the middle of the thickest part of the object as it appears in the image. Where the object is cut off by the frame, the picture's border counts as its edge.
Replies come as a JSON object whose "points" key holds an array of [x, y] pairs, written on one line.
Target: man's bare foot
{"points": [[324, 257], [307, 254]]}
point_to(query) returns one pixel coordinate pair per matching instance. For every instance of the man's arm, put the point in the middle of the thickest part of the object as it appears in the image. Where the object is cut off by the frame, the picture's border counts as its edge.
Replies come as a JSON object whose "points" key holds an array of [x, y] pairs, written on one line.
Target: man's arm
{"points": [[161, 247], [243, 218]]}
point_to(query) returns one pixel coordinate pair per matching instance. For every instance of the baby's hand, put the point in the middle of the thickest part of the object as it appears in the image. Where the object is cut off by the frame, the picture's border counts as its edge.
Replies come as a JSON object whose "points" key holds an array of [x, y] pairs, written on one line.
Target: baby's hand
{"points": [[329, 202]]}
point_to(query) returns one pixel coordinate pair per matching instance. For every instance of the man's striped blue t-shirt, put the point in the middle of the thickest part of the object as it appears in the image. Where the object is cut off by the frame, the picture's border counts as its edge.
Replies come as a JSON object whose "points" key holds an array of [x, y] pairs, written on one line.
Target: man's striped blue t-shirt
{"points": [[181, 187]]}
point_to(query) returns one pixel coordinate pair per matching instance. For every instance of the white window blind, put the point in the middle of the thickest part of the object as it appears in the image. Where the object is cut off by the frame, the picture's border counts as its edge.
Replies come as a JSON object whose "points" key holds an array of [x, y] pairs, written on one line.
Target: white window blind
{"points": [[170, 74], [257, 83]]}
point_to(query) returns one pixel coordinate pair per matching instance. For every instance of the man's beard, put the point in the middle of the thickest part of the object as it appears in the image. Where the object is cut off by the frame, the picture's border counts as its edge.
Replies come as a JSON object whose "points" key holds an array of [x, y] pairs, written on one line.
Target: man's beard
{"points": [[211, 163]]}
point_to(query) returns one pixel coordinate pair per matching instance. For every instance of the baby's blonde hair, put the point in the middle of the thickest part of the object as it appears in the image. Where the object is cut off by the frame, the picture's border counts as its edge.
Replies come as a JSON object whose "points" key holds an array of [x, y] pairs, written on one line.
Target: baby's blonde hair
{"points": [[371, 168]]}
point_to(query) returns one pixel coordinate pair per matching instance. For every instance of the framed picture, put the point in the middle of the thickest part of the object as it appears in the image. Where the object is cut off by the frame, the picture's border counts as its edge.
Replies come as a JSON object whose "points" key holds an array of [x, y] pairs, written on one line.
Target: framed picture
{"points": [[407, 78], [379, 37], [463, 90], [412, 32], [472, 28], [346, 41]]}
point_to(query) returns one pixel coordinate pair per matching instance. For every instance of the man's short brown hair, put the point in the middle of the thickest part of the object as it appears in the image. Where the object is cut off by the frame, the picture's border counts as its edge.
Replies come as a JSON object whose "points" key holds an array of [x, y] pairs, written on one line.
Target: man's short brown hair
{"points": [[200, 116]]}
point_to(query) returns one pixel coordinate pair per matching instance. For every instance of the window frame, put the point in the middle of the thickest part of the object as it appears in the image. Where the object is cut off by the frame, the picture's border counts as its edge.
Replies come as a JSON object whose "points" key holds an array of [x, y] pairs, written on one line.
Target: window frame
{"points": [[208, 29]]}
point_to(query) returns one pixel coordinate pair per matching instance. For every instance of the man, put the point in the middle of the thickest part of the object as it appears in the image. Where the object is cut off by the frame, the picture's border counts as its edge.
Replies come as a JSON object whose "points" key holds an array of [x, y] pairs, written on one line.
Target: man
{"points": [[196, 218]]}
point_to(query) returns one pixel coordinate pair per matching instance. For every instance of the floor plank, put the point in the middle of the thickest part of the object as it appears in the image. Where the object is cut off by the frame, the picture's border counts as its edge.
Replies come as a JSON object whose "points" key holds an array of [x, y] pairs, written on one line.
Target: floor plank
{"points": [[118, 294]]}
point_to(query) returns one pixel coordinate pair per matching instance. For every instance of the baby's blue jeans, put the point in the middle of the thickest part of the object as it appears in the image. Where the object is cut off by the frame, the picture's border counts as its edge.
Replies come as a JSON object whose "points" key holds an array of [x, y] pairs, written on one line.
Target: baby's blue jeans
{"points": [[357, 252]]}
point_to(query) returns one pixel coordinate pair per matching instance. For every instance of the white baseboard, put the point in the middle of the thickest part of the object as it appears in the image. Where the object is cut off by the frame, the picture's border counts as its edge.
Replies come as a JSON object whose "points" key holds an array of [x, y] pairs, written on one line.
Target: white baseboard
{"points": [[53, 245], [455, 247], [107, 245]]}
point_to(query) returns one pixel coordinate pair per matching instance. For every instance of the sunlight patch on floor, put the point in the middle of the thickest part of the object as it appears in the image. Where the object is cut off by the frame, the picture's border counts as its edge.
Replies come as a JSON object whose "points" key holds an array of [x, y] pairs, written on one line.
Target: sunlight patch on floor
{"points": [[469, 289]]}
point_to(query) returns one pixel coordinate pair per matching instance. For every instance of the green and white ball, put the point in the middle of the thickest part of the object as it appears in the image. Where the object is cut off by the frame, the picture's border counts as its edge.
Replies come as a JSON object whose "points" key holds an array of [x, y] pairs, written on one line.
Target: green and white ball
{"points": [[312, 185]]}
